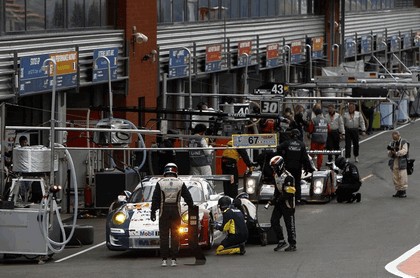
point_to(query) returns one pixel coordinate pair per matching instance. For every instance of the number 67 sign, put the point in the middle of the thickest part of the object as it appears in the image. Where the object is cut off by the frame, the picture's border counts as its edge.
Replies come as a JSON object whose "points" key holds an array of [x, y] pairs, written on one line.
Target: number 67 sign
{"points": [[255, 140]]}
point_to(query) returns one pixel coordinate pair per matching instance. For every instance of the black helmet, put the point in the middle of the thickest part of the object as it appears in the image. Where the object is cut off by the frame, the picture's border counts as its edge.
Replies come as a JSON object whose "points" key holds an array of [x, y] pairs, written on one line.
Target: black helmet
{"points": [[224, 203], [277, 163], [295, 133], [170, 169], [340, 162]]}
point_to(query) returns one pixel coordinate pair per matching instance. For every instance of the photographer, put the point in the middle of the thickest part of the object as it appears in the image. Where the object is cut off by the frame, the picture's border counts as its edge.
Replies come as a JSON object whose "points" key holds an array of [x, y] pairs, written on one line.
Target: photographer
{"points": [[398, 152]]}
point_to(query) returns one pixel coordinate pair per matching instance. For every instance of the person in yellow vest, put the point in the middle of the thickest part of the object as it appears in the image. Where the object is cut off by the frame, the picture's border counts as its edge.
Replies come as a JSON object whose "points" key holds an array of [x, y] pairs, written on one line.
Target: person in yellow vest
{"points": [[230, 159]]}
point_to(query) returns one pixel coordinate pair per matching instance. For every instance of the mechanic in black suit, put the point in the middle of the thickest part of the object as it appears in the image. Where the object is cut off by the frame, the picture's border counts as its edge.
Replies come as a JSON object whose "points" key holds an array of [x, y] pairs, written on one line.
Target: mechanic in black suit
{"points": [[235, 226], [284, 204], [350, 182], [166, 198]]}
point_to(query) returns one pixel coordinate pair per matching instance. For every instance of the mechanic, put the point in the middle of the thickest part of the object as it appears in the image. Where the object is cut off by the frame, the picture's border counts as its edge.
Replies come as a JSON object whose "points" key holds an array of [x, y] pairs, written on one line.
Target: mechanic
{"points": [[200, 159], [336, 130], [166, 198], [318, 128], [284, 204], [350, 183], [398, 152], [295, 158], [235, 226], [230, 159]]}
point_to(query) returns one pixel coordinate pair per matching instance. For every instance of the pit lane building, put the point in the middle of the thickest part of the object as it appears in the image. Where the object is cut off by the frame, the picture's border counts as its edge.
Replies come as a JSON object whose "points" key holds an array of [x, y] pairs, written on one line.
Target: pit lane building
{"points": [[269, 40]]}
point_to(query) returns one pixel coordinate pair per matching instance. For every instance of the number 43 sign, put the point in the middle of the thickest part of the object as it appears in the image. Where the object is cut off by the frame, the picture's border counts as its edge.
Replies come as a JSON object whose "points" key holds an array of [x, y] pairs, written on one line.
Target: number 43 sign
{"points": [[254, 140]]}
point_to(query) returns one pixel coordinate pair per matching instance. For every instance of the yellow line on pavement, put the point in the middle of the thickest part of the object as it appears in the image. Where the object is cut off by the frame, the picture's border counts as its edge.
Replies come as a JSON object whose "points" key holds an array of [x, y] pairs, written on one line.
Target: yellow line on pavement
{"points": [[368, 176]]}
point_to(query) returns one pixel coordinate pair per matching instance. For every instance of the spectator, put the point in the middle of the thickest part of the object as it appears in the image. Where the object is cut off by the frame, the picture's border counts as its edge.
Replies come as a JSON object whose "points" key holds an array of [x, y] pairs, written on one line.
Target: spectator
{"points": [[200, 157], [353, 121], [398, 152]]}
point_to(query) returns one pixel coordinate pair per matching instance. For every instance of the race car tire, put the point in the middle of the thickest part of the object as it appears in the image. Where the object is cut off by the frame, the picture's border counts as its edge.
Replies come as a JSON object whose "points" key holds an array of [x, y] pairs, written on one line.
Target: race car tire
{"points": [[210, 235]]}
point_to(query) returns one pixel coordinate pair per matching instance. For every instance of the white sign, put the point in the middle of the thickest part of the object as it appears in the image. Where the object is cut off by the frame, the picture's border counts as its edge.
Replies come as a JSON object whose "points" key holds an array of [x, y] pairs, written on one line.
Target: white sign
{"points": [[254, 140]]}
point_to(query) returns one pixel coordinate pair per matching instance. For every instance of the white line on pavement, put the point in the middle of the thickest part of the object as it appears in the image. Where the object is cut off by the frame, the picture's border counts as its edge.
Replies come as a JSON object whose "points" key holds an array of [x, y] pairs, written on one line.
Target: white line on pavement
{"points": [[392, 267], [81, 252]]}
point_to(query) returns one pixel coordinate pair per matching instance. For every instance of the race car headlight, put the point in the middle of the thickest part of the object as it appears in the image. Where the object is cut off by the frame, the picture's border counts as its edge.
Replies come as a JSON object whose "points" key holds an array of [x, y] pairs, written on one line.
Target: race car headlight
{"points": [[119, 218], [318, 186], [183, 230], [250, 186], [184, 217]]}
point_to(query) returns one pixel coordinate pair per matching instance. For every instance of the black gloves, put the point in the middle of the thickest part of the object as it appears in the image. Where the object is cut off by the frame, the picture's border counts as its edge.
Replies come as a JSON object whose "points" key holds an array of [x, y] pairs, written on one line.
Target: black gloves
{"points": [[153, 216]]}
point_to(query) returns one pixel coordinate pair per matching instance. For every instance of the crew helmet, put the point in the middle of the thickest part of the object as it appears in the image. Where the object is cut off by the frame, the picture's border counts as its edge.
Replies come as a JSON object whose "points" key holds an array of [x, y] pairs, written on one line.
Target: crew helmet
{"points": [[277, 163], [295, 133], [224, 203], [170, 169], [340, 162]]}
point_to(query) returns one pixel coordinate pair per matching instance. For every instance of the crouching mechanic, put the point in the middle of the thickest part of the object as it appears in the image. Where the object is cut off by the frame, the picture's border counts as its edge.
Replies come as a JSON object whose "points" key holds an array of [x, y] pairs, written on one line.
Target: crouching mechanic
{"points": [[350, 183], [166, 198], [284, 204], [235, 226]]}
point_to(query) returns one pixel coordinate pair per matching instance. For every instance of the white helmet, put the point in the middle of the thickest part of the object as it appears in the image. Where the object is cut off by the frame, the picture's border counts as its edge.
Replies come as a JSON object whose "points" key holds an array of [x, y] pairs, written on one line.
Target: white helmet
{"points": [[170, 169], [277, 163]]}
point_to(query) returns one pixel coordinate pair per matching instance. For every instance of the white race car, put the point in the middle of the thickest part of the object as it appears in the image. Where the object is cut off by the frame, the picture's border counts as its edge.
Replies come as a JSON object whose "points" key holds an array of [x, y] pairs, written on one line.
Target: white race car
{"points": [[128, 224]]}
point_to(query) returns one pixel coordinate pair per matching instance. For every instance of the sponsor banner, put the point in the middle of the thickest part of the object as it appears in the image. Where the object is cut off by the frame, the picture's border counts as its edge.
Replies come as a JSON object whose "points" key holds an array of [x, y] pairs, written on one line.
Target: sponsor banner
{"points": [[100, 67], [213, 58], [35, 79], [244, 47]]}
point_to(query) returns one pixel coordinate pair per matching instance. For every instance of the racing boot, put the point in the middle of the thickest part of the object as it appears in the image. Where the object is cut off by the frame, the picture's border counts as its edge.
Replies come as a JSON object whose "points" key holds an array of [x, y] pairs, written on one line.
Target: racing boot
{"points": [[173, 262], [397, 194], [290, 248], [242, 249], [280, 245], [358, 197]]}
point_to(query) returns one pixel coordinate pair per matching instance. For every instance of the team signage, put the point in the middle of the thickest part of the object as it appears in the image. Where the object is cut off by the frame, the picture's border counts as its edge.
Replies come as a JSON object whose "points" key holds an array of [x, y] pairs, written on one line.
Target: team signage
{"points": [[244, 47], [296, 52], [272, 89], [254, 140], [394, 43], [365, 45], [270, 107], [100, 72], [272, 56], [407, 41], [178, 63], [417, 39], [317, 48], [213, 58], [350, 47], [33, 79], [380, 42]]}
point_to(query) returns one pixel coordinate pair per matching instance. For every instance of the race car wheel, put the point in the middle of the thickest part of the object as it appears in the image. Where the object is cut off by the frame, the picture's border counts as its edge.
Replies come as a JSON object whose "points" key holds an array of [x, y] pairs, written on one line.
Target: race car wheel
{"points": [[210, 235]]}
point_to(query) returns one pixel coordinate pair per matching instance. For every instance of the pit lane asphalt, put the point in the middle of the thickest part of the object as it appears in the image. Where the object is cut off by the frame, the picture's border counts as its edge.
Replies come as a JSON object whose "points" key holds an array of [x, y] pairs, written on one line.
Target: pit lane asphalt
{"points": [[333, 240]]}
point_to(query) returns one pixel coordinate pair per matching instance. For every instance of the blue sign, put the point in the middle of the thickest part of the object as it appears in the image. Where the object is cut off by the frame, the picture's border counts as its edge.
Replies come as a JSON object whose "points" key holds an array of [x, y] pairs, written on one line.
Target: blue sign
{"points": [[407, 44], [178, 62], [365, 45], [34, 79], [394, 43], [100, 69]]}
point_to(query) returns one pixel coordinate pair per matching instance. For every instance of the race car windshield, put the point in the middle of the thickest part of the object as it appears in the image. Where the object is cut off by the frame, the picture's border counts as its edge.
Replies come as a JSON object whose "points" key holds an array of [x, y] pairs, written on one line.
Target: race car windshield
{"points": [[146, 194]]}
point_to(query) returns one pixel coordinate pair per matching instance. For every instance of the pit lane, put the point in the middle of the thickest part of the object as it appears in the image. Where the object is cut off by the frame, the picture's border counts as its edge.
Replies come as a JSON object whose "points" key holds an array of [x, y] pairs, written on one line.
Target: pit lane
{"points": [[333, 240]]}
